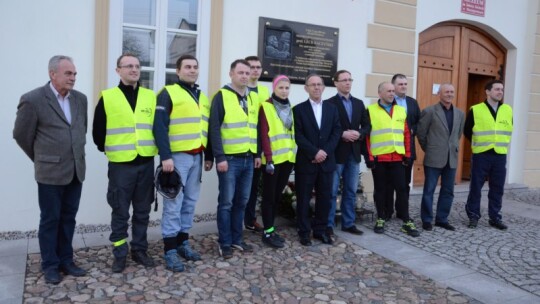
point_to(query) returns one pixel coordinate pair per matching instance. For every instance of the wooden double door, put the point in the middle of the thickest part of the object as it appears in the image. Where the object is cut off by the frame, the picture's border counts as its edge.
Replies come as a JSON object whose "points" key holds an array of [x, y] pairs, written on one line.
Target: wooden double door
{"points": [[465, 57]]}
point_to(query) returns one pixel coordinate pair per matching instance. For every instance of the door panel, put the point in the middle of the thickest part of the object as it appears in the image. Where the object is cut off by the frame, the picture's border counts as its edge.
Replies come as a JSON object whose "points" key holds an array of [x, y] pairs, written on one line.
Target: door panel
{"points": [[475, 94], [430, 76], [467, 58]]}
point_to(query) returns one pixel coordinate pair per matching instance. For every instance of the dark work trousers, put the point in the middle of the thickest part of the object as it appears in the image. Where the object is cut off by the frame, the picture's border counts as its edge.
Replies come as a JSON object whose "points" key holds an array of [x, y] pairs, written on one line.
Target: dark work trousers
{"points": [[389, 201], [250, 214], [58, 206], [387, 177], [130, 184], [493, 167], [273, 185], [304, 184]]}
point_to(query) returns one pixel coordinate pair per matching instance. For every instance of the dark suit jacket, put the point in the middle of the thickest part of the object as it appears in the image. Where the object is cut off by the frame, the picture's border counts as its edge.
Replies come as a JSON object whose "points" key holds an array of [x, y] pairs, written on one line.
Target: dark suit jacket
{"points": [[310, 139], [439, 145], [44, 134], [413, 116], [359, 122]]}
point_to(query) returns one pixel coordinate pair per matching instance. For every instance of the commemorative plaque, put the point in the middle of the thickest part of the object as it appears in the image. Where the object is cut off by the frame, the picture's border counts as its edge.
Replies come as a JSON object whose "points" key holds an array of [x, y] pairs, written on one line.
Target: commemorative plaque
{"points": [[297, 49]]}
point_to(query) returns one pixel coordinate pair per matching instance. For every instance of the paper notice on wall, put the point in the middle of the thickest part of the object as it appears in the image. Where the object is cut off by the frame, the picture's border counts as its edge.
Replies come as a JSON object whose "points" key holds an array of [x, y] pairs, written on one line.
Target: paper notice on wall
{"points": [[435, 89]]}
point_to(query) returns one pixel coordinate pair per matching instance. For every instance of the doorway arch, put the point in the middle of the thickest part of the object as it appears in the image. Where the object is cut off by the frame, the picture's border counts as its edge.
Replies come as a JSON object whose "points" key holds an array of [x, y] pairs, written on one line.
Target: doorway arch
{"points": [[465, 56]]}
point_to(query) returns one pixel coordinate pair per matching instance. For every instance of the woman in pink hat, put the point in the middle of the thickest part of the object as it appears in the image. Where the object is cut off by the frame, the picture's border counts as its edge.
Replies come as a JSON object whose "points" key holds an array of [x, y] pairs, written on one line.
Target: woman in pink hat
{"points": [[279, 151]]}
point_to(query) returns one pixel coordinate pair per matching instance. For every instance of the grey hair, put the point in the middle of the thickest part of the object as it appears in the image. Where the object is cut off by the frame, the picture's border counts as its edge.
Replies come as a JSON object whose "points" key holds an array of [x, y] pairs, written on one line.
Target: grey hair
{"points": [[309, 76], [54, 62], [444, 85], [381, 85]]}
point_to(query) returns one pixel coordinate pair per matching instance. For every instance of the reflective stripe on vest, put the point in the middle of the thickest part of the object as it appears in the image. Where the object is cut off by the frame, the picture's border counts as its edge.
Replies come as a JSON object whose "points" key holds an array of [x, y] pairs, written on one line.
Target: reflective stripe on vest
{"points": [[282, 141], [129, 133], [489, 133], [188, 127], [385, 140], [239, 130]]}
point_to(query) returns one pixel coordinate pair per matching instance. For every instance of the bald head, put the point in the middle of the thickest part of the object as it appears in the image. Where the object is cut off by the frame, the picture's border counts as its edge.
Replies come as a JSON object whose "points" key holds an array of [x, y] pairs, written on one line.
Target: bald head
{"points": [[386, 92], [447, 94]]}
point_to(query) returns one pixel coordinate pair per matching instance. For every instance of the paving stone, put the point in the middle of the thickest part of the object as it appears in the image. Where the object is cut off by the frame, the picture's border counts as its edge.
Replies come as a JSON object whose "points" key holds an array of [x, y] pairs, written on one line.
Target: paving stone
{"points": [[344, 273], [512, 256]]}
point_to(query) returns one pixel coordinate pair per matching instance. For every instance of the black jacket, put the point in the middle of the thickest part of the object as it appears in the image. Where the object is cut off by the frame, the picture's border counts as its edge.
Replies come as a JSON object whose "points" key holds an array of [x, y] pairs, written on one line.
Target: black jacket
{"points": [[310, 139], [359, 122], [413, 117]]}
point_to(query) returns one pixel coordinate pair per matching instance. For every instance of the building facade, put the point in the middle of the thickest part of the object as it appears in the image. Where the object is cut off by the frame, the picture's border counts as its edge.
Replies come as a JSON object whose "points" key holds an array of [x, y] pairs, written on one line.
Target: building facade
{"points": [[429, 41]]}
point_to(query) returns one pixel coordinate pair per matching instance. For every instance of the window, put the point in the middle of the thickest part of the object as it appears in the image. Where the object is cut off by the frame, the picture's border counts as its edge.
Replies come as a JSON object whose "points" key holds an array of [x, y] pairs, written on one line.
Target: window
{"points": [[158, 31]]}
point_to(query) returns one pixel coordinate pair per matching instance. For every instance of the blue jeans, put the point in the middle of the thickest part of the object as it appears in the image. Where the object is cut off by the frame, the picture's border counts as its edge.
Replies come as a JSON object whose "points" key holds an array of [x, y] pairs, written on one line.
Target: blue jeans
{"points": [[349, 172], [58, 205], [486, 165], [178, 213], [234, 188], [446, 194]]}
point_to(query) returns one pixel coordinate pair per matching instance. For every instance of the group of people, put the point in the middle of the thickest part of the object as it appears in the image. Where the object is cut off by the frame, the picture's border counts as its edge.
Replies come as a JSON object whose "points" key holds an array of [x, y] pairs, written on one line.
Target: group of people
{"points": [[250, 134]]}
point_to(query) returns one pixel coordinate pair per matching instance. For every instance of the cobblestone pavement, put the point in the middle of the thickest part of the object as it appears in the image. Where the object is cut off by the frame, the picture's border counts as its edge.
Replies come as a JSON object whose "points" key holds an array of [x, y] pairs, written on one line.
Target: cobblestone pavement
{"points": [[530, 196], [344, 273], [512, 256]]}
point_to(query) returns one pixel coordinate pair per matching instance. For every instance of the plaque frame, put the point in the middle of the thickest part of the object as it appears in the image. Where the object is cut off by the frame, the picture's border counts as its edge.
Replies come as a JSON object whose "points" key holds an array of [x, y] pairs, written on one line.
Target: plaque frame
{"points": [[297, 49]]}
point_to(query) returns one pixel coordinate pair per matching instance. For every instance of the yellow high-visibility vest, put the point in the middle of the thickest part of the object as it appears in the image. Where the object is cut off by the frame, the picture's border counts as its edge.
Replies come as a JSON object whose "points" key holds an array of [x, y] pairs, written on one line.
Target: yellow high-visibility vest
{"points": [[129, 133], [489, 133], [239, 130], [282, 140], [263, 93], [188, 127], [387, 132]]}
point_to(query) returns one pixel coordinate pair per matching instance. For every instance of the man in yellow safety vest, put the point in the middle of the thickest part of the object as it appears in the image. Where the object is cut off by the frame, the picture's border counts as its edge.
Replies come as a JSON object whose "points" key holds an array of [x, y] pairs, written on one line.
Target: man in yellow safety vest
{"points": [[122, 129], [489, 128]]}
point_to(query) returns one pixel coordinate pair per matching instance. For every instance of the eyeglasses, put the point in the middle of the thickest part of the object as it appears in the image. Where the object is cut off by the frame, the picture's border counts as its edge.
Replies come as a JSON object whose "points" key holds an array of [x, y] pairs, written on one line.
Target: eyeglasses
{"points": [[130, 67], [315, 85], [256, 67], [345, 80]]}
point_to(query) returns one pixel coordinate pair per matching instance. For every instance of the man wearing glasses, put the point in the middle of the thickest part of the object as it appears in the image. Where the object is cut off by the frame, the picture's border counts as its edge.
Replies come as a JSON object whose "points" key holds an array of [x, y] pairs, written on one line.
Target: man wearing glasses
{"points": [[317, 132], [355, 125], [250, 216], [122, 129]]}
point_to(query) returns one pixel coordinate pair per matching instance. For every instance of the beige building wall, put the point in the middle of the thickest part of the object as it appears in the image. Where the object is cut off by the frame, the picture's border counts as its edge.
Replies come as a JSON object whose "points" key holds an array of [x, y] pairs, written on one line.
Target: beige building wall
{"points": [[531, 172], [392, 41], [101, 49]]}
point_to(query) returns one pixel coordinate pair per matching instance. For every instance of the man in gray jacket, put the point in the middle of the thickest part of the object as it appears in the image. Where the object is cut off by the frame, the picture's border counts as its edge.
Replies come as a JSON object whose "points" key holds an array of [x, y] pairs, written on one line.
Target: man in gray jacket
{"points": [[51, 128], [439, 131]]}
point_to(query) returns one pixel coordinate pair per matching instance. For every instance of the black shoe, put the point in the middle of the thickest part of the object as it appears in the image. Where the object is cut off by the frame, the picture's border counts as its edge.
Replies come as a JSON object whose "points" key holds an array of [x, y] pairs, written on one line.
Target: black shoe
{"points": [[473, 223], [226, 252], [141, 257], [305, 241], [410, 229], [52, 276], [446, 226], [498, 224], [330, 231], [278, 237], [379, 226], [119, 264], [353, 230], [243, 246], [325, 238], [271, 240], [427, 226], [72, 269]]}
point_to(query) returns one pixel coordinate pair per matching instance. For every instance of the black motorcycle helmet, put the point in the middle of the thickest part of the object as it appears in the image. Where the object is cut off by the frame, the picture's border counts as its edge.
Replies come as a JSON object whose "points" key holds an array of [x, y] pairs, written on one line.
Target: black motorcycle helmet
{"points": [[168, 184]]}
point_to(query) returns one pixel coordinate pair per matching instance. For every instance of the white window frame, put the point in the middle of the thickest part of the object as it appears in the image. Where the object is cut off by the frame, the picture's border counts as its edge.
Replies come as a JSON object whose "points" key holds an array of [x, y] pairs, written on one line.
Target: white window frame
{"points": [[116, 24]]}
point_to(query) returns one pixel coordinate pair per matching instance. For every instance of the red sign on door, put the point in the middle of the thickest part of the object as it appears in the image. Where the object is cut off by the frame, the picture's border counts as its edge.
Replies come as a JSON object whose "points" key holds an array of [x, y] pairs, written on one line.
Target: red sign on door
{"points": [[473, 7]]}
